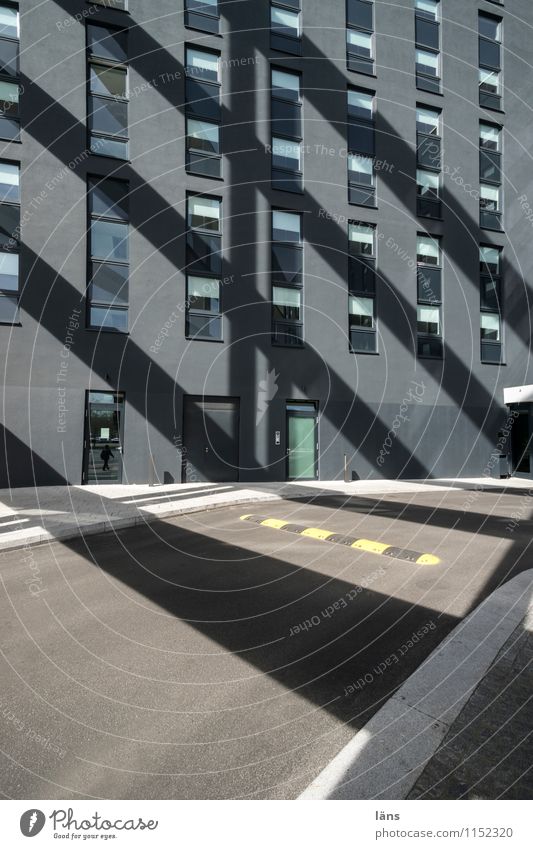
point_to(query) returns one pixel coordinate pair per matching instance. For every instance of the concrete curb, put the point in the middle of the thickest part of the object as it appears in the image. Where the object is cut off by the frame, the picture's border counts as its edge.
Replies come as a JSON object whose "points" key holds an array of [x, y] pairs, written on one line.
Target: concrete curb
{"points": [[120, 523], [385, 758]]}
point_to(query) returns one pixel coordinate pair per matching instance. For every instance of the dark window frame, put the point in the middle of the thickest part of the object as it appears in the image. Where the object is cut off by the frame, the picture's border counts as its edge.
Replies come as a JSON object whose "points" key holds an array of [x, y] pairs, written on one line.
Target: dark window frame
{"points": [[281, 327], [192, 312], [279, 40], [12, 246], [492, 352], [362, 340], [96, 136], [487, 98], [355, 61], [365, 192], [11, 119], [100, 303], [198, 16]]}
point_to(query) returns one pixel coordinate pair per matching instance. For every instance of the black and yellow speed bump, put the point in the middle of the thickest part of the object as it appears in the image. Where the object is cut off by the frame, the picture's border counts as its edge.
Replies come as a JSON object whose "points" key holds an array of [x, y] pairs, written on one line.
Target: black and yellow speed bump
{"points": [[368, 545]]}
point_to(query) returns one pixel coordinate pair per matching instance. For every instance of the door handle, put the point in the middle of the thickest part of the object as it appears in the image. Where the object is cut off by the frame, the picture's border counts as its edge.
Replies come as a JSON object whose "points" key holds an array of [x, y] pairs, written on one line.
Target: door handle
{"points": [[206, 449]]}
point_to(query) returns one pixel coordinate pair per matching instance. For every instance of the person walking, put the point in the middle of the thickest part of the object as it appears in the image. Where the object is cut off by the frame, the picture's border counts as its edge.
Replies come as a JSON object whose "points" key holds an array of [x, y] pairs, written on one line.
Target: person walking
{"points": [[106, 455]]}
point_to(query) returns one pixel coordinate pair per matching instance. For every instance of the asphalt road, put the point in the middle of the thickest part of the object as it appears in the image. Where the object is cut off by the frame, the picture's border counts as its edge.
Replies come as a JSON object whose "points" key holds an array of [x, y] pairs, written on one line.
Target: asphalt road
{"points": [[210, 657]]}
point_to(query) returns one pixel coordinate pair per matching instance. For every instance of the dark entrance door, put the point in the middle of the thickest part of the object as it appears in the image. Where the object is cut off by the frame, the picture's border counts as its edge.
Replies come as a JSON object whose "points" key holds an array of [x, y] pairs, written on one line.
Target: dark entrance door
{"points": [[104, 416], [210, 439], [302, 441], [521, 443]]}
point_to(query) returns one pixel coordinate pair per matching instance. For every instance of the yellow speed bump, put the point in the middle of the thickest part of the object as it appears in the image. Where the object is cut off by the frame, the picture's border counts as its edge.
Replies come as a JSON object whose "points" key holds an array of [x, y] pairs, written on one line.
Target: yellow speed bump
{"points": [[317, 533], [368, 545], [274, 523]]}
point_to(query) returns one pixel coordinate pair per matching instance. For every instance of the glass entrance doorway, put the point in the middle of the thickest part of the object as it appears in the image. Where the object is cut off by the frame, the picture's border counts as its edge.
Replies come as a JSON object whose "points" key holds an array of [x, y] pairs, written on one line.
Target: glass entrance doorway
{"points": [[302, 441], [521, 442], [104, 416]]}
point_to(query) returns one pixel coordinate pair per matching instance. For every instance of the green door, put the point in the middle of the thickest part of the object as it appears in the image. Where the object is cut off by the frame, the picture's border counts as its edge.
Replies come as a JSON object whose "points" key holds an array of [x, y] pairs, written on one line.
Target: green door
{"points": [[302, 442]]}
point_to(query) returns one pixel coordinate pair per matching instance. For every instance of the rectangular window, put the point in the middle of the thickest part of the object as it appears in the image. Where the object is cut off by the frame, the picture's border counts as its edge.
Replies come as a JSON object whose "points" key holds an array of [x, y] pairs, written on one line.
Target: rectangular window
{"points": [[427, 39], [108, 254], [202, 64], [490, 177], [428, 321], [287, 164], [285, 85], [490, 66], [429, 296], [362, 287], [361, 313], [360, 36], [112, 4], [429, 270], [428, 138], [286, 123], [428, 193], [108, 91], [428, 9], [491, 304], [361, 147], [202, 15], [9, 241], [9, 73], [287, 278], [285, 26], [204, 267], [203, 113]]}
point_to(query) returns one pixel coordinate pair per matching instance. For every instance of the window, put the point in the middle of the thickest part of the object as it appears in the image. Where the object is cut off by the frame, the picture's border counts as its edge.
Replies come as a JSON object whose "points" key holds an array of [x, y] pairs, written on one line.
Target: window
{"points": [[9, 74], [202, 65], [112, 4], [429, 296], [286, 123], [428, 193], [9, 241], [360, 36], [427, 38], [203, 113], [109, 254], [285, 85], [203, 15], [287, 316], [490, 207], [204, 268], [428, 9], [287, 278], [286, 164], [428, 323], [362, 288], [491, 304], [285, 26], [490, 176], [361, 148], [490, 68], [428, 138], [108, 91]]}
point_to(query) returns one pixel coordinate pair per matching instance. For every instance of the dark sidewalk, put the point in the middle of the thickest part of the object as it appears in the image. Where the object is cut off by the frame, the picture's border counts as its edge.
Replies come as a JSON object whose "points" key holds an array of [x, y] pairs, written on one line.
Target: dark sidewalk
{"points": [[488, 751]]}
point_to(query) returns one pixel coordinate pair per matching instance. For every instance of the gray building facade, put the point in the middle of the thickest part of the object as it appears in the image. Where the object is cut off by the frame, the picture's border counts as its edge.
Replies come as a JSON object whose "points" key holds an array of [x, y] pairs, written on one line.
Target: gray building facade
{"points": [[205, 338]]}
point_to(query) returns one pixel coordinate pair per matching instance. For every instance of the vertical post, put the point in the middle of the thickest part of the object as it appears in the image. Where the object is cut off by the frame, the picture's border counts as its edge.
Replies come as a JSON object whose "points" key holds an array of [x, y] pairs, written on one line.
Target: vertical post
{"points": [[152, 474]]}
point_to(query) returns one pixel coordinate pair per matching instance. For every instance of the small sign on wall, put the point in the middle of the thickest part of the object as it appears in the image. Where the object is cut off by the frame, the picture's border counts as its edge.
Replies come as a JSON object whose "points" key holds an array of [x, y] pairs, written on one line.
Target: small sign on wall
{"points": [[277, 437], [104, 433]]}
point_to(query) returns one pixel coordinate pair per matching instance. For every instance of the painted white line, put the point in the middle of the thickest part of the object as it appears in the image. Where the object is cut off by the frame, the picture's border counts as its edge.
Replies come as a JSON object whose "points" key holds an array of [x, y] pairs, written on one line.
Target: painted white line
{"points": [[167, 497], [14, 522], [385, 758]]}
